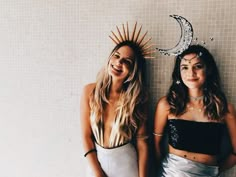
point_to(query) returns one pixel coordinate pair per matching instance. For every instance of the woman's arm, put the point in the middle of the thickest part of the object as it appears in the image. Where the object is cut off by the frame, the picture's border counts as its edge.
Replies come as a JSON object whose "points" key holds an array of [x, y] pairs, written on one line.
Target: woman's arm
{"points": [[230, 120], [160, 120], [142, 150], [87, 135]]}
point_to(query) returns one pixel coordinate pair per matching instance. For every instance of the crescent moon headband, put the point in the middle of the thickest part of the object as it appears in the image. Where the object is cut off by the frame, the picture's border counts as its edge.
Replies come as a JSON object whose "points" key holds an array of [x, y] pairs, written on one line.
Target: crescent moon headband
{"points": [[185, 38], [189, 60], [144, 45]]}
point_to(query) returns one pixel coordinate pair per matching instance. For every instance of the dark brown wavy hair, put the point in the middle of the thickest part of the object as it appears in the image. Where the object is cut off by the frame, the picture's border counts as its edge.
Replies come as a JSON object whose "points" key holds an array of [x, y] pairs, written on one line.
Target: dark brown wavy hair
{"points": [[215, 102]]}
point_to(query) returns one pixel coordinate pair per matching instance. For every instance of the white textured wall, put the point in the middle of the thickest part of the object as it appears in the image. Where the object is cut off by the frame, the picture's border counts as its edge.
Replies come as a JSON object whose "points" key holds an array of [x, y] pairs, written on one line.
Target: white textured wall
{"points": [[50, 48], [39, 97]]}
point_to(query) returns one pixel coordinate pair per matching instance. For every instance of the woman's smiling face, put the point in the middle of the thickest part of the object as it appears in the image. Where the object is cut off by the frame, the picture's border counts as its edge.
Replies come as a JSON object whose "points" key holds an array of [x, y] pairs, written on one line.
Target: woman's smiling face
{"points": [[193, 71], [121, 62]]}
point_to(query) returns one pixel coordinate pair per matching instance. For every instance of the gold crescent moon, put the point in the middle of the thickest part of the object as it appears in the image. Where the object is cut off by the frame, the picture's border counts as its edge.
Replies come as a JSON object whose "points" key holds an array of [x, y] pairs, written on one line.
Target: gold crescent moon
{"points": [[185, 38]]}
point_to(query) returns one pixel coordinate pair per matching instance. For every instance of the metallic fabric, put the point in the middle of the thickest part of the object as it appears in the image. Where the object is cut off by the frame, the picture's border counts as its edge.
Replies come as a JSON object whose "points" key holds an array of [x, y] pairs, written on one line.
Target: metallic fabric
{"points": [[120, 134], [117, 162], [176, 166]]}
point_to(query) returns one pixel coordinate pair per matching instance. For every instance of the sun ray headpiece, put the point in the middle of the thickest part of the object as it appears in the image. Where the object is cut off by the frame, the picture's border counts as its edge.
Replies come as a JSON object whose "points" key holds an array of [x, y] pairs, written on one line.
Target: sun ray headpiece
{"points": [[144, 45]]}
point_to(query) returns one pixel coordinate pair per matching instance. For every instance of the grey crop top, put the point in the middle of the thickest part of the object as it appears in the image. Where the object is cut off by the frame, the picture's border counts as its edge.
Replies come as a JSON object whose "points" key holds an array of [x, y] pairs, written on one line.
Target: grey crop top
{"points": [[192, 136]]}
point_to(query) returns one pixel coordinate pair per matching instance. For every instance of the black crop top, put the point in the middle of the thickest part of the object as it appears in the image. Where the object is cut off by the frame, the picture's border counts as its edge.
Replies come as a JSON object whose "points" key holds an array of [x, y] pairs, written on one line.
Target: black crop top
{"points": [[192, 136]]}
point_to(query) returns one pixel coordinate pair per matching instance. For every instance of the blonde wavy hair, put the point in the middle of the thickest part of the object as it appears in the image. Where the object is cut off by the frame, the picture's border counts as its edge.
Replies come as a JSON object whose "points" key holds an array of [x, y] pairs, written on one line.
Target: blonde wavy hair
{"points": [[133, 96]]}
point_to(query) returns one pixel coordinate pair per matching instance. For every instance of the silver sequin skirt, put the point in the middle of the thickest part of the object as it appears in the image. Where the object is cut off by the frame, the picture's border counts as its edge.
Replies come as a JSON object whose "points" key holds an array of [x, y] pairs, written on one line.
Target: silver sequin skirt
{"points": [[176, 166]]}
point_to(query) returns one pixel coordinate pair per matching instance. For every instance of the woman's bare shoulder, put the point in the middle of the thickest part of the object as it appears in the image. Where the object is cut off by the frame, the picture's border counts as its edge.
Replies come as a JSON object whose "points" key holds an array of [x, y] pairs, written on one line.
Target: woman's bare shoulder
{"points": [[88, 88], [163, 103], [232, 113]]}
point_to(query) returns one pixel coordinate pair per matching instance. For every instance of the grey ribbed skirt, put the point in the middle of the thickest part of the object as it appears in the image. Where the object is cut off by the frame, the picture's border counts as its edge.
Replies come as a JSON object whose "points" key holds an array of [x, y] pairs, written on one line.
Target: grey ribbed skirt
{"points": [[176, 166], [117, 162]]}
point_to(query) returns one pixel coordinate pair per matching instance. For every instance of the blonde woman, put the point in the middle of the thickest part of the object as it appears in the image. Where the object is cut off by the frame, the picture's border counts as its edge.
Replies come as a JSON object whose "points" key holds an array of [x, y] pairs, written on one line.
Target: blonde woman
{"points": [[114, 114]]}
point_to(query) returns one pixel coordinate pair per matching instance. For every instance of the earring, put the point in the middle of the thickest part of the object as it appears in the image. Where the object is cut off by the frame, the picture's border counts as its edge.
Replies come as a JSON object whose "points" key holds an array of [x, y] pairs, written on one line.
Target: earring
{"points": [[177, 82]]}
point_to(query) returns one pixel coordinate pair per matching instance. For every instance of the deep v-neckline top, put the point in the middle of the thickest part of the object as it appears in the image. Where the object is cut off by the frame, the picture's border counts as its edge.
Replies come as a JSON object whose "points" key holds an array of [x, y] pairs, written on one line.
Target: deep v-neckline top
{"points": [[119, 133]]}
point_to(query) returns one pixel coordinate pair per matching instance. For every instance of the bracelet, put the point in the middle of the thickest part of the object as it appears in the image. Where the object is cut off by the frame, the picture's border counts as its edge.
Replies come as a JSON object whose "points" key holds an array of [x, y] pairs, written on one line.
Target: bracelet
{"points": [[142, 137], [157, 134], [91, 150]]}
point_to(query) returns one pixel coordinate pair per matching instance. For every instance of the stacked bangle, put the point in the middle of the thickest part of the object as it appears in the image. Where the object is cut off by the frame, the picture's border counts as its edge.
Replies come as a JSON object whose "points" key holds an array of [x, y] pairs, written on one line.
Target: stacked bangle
{"points": [[91, 150]]}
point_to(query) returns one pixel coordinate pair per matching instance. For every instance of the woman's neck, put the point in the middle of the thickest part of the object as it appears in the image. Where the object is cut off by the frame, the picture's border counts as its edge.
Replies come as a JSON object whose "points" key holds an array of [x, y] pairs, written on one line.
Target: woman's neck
{"points": [[116, 88], [197, 98], [196, 94], [115, 92]]}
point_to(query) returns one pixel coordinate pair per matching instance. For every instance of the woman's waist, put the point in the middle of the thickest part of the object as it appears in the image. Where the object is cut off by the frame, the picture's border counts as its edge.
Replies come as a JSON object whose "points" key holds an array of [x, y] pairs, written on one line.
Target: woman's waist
{"points": [[194, 156], [110, 150]]}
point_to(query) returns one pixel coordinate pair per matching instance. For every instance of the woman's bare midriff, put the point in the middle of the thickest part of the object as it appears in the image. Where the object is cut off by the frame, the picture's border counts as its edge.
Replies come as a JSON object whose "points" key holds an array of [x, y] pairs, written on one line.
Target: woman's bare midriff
{"points": [[197, 157]]}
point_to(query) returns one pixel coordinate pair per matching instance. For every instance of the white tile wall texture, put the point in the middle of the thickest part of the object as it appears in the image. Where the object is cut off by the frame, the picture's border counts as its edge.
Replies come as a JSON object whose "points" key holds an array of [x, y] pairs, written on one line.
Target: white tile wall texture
{"points": [[49, 49]]}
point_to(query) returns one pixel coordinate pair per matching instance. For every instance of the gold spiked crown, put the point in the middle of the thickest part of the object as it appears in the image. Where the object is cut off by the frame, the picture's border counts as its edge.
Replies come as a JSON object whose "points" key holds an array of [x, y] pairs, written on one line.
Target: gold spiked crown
{"points": [[144, 45]]}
